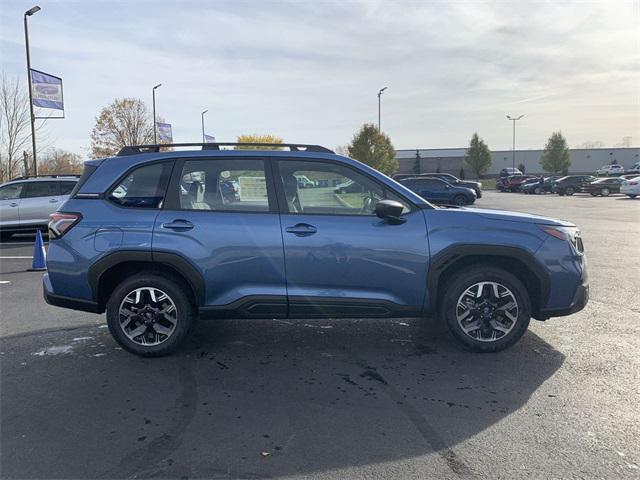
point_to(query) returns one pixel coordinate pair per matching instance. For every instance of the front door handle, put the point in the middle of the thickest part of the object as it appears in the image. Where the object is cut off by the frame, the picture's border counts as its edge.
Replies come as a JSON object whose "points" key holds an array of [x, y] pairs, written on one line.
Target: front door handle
{"points": [[14, 204], [178, 225], [302, 229]]}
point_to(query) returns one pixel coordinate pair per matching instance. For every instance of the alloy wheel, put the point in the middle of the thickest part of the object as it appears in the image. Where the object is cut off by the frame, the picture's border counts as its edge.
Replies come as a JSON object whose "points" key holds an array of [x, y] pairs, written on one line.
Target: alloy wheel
{"points": [[148, 316], [487, 311]]}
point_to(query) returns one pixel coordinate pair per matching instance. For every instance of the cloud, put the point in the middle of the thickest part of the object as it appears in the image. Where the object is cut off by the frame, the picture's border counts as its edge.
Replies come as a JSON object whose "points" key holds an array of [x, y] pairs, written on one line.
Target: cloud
{"points": [[309, 71]]}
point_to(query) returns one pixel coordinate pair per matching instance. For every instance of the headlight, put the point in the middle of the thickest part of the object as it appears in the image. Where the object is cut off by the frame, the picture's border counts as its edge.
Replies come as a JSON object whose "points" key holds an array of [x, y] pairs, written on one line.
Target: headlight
{"points": [[570, 234]]}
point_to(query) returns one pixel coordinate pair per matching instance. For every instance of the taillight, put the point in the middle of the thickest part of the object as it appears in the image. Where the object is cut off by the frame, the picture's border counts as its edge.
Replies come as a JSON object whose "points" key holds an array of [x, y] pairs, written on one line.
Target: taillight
{"points": [[61, 223]]}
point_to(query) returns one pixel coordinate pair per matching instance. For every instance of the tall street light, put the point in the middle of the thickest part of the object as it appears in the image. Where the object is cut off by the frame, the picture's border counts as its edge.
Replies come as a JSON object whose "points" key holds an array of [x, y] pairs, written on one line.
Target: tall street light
{"points": [[514, 120], [202, 114], [379, 95], [155, 130], [28, 13]]}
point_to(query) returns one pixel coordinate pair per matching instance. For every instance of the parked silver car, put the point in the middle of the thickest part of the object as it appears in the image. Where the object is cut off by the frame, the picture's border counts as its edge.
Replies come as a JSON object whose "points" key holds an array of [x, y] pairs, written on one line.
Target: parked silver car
{"points": [[26, 202]]}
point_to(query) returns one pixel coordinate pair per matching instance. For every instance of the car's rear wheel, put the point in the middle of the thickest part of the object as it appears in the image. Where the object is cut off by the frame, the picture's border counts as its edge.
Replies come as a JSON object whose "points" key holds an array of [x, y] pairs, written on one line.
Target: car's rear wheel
{"points": [[537, 191], [605, 192], [570, 191], [487, 309], [459, 200], [150, 315]]}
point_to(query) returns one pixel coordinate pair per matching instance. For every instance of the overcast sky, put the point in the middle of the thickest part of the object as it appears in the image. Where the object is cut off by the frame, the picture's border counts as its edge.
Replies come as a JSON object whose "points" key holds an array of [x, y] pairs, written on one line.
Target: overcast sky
{"points": [[309, 71]]}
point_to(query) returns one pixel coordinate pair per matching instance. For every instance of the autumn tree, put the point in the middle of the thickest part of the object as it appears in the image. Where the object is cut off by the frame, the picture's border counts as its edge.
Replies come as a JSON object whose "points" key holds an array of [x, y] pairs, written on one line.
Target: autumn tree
{"points": [[556, 158], [57, 161], [253, 138], [126, 121], [478, 156], [374, 148]]}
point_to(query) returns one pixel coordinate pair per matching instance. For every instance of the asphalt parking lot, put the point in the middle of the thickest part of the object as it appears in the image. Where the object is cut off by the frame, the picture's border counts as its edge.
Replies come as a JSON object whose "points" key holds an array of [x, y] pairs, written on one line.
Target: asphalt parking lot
{"points": [[333, 399]]}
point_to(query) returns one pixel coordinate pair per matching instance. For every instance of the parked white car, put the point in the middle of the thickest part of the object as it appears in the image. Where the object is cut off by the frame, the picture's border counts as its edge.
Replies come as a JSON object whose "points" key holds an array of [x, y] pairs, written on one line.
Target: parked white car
{"points": [[635, 168], [613, 169], [631, 187]]}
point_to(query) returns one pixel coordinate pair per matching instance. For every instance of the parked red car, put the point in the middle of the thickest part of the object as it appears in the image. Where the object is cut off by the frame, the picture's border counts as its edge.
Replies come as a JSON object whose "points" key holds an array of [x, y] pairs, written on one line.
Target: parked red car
{"points": [[514, 182]]}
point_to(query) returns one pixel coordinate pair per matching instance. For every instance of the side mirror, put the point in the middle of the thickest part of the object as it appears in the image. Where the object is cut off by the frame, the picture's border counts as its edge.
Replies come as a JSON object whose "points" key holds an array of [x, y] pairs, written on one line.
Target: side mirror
{"points": [[390, 210]]}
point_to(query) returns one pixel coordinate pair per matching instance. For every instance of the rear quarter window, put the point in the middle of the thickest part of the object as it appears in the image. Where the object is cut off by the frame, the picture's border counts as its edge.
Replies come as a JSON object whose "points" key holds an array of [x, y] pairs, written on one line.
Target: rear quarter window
{"points": [[143, 187]]}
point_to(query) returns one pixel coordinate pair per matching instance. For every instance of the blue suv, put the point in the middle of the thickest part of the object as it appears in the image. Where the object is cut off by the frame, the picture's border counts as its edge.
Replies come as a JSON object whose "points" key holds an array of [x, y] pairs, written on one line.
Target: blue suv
{"points": [[152, 238]]}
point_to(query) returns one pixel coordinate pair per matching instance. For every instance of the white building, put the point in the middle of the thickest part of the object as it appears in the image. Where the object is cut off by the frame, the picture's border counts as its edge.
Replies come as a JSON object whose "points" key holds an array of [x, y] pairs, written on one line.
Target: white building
{"points": [[451, 160]]}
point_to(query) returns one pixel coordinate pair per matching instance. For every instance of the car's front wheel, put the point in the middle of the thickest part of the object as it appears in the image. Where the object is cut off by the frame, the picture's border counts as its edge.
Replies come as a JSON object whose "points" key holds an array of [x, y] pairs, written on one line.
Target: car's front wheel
{"points": [[605, 192], [486, 308], [459, 200], [570, 191], [149, 315]]}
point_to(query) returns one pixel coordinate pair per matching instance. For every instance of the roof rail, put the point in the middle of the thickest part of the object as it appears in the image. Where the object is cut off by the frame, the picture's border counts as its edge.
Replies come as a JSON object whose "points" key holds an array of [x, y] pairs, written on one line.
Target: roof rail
{"points": [[293, 147], [53, 175]]}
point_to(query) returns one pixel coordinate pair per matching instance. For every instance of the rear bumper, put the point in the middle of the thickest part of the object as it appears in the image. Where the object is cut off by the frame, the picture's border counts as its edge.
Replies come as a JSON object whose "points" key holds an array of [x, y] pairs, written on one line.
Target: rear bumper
{"points": [[66, 302]]}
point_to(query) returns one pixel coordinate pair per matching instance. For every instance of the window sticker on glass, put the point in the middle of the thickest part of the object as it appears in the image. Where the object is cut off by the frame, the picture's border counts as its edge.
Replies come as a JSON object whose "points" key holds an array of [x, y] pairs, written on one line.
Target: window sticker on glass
{"points": [[252, 189]]}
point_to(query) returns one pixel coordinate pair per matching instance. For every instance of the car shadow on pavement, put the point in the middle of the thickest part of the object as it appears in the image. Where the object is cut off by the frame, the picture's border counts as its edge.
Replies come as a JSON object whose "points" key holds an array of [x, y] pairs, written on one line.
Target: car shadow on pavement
{"points": [[256, 399]]}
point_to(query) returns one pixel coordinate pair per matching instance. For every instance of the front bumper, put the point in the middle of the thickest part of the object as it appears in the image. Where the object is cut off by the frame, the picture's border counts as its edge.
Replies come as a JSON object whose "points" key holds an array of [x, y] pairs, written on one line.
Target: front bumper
{"points": [[579, 301], [66, 302]]}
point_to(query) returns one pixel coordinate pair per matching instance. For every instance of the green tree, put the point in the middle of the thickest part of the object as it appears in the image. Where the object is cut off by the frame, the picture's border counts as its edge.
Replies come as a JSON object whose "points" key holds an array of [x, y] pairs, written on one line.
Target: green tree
{"points": [[374, 148], [416, 164], [253, 138], [556, 158], [126, 121], [478, 156]]}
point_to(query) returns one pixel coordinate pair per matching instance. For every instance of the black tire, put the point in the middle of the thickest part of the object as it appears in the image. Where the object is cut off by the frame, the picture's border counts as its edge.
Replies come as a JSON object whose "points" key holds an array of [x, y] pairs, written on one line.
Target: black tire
{"points": [[460, 282], [459, 200], [594, 194], [605, 192], [570, 191], [631, 196], [537, 191], [4, 236], [561, 193], [177, 293]]}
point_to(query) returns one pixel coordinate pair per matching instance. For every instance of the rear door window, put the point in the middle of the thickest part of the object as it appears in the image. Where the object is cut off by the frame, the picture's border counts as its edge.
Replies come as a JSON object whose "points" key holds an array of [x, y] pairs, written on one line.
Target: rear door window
{"points": [[66, 187], [144, 187], [41, 189], [231, 184]]}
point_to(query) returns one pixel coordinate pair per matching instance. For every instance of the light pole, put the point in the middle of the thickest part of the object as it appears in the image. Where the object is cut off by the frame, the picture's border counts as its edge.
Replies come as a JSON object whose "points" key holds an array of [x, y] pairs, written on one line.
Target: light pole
{"points": [[153, 92], [202, 114], [379, 95], [514, 120], [28, 13]]}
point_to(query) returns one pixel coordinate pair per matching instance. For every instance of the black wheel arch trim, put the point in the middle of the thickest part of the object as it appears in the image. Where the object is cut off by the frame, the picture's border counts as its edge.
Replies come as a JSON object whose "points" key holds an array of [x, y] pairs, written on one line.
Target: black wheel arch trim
{"points": [[451, 255], [177, 262]]}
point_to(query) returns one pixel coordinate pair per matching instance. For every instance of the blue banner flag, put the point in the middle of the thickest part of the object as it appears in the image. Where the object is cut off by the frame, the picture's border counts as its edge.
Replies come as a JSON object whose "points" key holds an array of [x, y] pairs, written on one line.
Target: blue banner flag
{"points": [[209, 139], [164, 132], [46, 90]]}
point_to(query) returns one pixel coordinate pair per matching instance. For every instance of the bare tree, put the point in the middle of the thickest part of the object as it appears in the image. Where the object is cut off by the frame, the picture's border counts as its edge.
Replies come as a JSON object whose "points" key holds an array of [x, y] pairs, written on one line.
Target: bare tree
{"points": [[15, 132], [57, 161], [126, 121], [15, 129], [627, 141]]}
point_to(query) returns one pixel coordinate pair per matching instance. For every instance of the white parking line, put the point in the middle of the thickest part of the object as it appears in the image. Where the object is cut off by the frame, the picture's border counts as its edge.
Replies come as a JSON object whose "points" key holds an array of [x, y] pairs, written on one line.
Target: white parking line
{"points": [[13, 258], [4, 282]]}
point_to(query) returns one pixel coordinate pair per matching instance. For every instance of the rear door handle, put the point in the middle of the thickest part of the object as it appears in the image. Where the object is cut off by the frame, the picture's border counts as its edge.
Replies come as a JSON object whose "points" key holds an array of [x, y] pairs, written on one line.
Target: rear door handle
{"points": [[53, 200], [302, 229], [178, 225], [14, 204]]}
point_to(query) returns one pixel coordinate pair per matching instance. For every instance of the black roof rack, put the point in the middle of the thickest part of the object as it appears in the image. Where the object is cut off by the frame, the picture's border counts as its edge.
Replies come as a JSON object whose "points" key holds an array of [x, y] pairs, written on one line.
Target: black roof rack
{"points": [[54, 175], [293, 147]]}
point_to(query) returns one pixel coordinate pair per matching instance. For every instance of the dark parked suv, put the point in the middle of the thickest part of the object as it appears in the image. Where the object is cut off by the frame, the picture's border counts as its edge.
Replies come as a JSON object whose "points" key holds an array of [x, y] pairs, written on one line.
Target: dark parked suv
{"points": [[133, 241], [439, 191]]}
